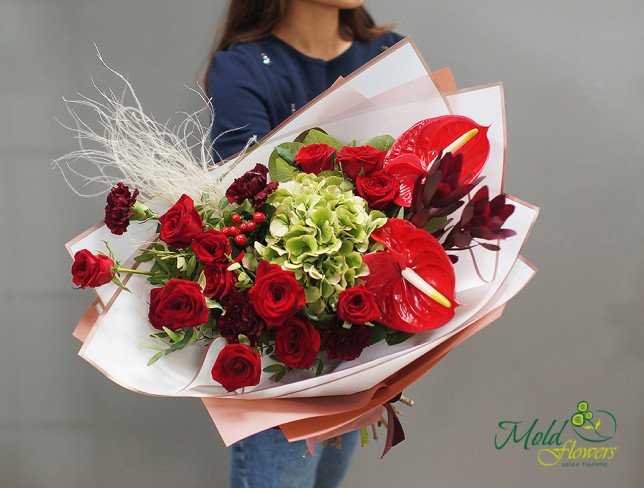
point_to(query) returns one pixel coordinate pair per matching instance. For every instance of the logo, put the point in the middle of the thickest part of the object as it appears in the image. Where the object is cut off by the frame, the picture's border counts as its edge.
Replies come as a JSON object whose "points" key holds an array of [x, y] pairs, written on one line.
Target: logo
{"points": [[582, 440]]}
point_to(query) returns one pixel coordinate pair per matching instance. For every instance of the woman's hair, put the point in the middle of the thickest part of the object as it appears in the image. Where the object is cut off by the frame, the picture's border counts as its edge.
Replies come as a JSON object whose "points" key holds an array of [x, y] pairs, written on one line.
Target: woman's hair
{"points": [[251, 20]]}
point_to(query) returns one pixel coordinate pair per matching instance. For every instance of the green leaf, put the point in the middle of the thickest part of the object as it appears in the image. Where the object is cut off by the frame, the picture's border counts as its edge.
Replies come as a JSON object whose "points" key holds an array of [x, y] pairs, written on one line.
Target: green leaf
{"points": [[378, 333], [119, 283], [202, 280], [398, 337], [281, 171], [144, 258], [381, 143], [181, 263], [291, 147], [435, 224], [243, 339], [223, 203], [320, 368], [401, 213], [280, 375], [175, 336], [315, 136], [155, 358], [192, 264], [234, 266], [214, 304], [149, 345], [286, 154], [273, 368]]}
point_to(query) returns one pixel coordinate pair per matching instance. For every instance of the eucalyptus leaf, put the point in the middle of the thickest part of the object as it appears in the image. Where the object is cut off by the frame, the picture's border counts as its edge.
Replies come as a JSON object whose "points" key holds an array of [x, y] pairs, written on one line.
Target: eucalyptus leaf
{"points": [[155, 358], [175, 336]]}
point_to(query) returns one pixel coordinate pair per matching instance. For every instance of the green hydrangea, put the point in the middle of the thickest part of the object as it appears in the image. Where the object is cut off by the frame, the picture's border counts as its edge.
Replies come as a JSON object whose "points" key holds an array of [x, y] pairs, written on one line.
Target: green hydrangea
{"points": [[320, 230]]}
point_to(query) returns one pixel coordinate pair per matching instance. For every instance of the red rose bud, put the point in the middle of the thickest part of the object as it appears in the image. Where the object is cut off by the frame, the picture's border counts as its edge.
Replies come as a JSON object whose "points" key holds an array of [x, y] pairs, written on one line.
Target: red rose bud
{"points": [[181, 224], [212, 247], [315, 158], [378, 189], [179, 304], [276, 294], [357, 305], [220, 283], [345, 344], [91, 269], [252, 185], [240, 318], [119, 207], [297, 343], [355, 160], [236, 366]]}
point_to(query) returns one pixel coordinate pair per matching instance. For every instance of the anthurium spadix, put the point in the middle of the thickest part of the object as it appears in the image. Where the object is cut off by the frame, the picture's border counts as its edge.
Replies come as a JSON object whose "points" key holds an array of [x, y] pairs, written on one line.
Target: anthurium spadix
{"points": [[417, 149], [412, 280]]}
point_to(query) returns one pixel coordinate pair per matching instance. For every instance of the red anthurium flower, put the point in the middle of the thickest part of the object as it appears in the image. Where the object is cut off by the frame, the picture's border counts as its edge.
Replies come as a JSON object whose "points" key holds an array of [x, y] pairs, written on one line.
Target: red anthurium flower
{"points": [[426, 140], [413, 280]]}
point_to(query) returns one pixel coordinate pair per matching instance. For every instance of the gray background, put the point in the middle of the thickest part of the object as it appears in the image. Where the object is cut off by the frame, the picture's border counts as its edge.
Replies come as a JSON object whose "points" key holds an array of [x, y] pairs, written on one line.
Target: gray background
{"points": [[574, 85]]}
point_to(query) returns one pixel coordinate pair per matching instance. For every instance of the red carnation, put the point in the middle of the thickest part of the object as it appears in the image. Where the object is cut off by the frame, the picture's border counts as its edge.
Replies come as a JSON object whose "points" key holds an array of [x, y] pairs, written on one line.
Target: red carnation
{"points": [[252, 185], [179, 304], [236, 366], [119, 207], [355, 160], [315, 158], [220, 282], [212, 247], [345, 344], [297, 343], [181, 224], [91, 269], [357, 305], [276, 294], [240, 318], [378, 189]]}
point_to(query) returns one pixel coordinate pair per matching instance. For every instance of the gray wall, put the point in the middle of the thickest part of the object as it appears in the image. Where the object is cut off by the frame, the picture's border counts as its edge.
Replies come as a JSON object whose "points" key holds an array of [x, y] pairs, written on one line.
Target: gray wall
{"points": [[574, 84]]}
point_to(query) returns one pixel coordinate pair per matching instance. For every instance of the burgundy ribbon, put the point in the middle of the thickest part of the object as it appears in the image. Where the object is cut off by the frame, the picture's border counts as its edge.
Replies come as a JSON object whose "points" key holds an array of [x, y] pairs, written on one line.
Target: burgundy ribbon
{"points": [[395, 432]]}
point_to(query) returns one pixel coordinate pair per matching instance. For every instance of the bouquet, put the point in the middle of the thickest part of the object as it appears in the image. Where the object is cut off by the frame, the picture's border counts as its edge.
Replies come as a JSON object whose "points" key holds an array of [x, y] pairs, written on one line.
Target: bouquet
{"points": [[307, 282]]}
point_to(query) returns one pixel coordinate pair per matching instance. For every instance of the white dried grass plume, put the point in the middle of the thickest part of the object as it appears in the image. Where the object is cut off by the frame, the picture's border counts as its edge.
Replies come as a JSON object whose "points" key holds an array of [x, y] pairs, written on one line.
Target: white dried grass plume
{"points": [[162, 162]]}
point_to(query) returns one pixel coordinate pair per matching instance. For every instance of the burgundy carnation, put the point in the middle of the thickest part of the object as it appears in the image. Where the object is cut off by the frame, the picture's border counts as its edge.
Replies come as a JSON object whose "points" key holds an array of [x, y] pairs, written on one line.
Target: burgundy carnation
{"points": [[240, 318], [179, 304], [181, 224], [276, 294], [297, 343], [236, 366], [212, 247], [220, 282], [378, 189], [315, 158], [360, 159], [357, 305], [252, 185], [91, 269], [119, 205], [345, 344]]}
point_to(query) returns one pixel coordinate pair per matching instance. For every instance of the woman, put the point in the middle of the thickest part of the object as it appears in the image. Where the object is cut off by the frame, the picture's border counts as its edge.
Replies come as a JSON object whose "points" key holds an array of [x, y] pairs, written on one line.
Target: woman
{"points": [[272, 58]]}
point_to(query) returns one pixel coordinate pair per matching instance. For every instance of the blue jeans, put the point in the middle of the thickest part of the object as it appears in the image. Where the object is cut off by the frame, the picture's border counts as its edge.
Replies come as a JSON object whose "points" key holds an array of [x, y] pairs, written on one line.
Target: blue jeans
{"points": [[268, 460]]}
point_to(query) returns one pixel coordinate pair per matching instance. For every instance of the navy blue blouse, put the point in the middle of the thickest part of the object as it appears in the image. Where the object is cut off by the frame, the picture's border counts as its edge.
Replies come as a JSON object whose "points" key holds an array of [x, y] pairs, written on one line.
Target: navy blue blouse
{"points": [[256, 85]]}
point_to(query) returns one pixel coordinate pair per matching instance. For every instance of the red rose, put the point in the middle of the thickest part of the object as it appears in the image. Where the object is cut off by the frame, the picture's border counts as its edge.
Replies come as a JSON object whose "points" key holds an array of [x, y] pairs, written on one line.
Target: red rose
{"points": [[240, 318], [236, 366], [356, 159], [91, 269], [211, 247], [118, 208], [276, 294], [181, 224], [179, 304], [345, 344], [297, 343], [378, 189], [220, 282], [252, 185], [315, 158], [357, 305]]}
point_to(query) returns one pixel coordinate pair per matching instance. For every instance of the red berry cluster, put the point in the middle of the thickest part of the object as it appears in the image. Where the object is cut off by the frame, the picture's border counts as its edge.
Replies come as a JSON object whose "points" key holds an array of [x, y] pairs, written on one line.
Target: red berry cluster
{"points": [[237, 231]]}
